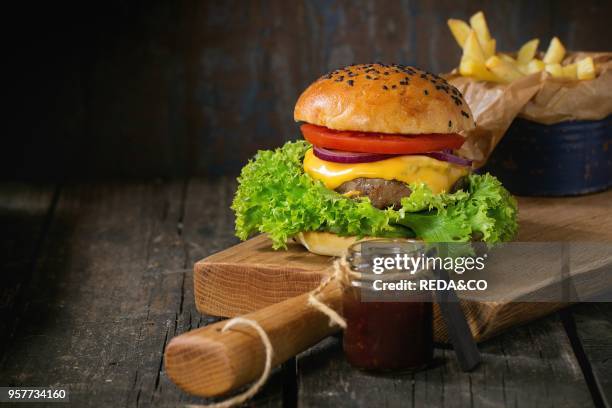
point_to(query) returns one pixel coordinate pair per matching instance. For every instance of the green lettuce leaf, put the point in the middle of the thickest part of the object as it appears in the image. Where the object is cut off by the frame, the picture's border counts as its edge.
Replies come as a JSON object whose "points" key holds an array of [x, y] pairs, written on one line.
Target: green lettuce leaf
{"points": [[275, 196]]}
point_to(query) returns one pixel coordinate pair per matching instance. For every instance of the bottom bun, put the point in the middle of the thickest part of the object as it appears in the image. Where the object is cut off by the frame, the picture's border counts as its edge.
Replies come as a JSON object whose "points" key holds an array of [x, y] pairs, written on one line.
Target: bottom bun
{"points": [[326, 243]]}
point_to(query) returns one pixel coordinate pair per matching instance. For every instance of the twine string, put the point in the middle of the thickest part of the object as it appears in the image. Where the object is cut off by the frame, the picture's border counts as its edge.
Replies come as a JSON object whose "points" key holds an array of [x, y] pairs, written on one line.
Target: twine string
{"points": [[341, 274]]}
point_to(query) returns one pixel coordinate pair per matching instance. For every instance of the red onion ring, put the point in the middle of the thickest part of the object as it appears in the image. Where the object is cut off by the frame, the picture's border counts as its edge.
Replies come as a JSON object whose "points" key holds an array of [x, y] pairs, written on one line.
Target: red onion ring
{"points": [[449, 157], [338, 156]]}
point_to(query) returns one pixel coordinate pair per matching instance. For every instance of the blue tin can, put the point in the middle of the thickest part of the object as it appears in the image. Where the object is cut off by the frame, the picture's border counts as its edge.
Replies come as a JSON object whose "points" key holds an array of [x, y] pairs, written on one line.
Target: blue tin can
{"points": [[567, 158]]}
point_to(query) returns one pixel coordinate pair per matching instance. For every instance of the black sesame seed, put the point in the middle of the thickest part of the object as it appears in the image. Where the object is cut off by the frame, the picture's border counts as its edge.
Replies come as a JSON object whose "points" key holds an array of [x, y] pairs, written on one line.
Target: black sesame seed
{"points": [[385, 87], [425, 91], [393, 86], [350, 82], [368, 77], [465, 114], [340, 78], [450, 123]]}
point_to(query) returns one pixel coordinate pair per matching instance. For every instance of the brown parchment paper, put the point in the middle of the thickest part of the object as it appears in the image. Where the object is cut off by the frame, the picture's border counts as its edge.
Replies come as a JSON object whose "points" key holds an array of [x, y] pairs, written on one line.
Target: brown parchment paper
{"points": [[538, 97]]}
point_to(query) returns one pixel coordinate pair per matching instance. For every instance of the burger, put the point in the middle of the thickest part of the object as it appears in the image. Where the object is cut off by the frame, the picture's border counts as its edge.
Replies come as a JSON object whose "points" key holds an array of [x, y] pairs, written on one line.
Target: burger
{"points": [[379, 159]]}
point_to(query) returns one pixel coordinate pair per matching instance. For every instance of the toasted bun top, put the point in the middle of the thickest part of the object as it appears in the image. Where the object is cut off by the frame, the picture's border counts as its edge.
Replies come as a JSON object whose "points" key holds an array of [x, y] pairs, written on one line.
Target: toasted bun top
{"points": [[385, 99]]}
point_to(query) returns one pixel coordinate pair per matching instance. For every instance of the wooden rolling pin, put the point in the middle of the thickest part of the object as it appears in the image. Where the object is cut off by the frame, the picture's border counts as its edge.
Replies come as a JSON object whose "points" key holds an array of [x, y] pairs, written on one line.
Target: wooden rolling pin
{"points": [[207, 362]]}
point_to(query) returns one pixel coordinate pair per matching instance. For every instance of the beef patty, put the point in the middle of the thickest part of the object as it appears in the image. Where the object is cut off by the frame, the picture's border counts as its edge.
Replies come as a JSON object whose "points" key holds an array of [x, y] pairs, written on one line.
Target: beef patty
{"points": [[382, 193], [385, 193]]}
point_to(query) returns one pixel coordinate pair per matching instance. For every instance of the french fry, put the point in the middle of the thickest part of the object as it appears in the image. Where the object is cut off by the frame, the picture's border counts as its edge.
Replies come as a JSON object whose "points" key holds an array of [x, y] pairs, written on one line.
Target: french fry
{"points": [[472, 49], [479, 24], [477, 70], [527, 51], [585, 69], [481, 61], [555, 52], [523, 69], [460, 30], [555, 70], [570, 71], [535, 65], [489, 48], [507, 58], [503, 69]]}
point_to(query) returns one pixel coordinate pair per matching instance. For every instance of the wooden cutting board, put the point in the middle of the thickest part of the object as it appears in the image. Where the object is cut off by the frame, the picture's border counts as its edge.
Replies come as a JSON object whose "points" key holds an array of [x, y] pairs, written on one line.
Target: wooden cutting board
{"points": [[251, 275]]}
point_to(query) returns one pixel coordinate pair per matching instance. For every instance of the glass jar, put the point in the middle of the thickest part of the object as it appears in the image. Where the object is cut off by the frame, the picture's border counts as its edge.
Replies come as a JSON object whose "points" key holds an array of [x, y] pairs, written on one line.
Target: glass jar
{"points": [[386, 330]]}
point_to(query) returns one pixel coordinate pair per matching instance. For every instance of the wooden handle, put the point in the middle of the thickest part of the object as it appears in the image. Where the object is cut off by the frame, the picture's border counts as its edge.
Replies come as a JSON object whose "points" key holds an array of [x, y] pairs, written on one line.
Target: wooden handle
{"points": [[207, 362]]}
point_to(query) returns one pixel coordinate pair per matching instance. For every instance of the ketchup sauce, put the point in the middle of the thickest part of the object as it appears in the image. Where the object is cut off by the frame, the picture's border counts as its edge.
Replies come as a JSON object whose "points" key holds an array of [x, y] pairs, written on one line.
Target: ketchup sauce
{"points": [[387, 336], [386, 330]]}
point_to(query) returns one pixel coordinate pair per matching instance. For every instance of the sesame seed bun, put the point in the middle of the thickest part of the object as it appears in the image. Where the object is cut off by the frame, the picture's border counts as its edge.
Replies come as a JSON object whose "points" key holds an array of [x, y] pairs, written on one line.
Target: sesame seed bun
{"points": [[384, 99]]}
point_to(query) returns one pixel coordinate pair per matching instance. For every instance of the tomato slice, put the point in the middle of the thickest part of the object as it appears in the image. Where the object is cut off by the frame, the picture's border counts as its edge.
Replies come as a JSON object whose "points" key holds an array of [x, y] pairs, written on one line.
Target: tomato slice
{"points": [[383, 143]]}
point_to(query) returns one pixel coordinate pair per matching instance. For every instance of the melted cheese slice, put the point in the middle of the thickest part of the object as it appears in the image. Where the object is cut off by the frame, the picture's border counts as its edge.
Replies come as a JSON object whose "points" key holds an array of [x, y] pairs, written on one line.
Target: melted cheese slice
{"points": [[439, 176]]}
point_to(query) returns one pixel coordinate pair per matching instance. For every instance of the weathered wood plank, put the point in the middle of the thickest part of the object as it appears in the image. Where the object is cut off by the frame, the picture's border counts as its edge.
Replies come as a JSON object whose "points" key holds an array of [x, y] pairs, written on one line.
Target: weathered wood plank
{"points": [[532, 365], [206, 226], [203, 85], [593, 326], [90, 323], [24, 214], [583, 218], [112, 285]]}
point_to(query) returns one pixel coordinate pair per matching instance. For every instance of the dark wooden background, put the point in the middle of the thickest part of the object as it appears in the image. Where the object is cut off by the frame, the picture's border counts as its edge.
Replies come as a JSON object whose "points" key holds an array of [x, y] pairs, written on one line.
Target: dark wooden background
{"points": [[179, 88]]}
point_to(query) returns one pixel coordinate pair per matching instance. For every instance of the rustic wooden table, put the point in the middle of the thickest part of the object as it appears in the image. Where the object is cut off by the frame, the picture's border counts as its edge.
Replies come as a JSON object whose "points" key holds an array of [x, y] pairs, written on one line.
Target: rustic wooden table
{"points": [[97, 278]]}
